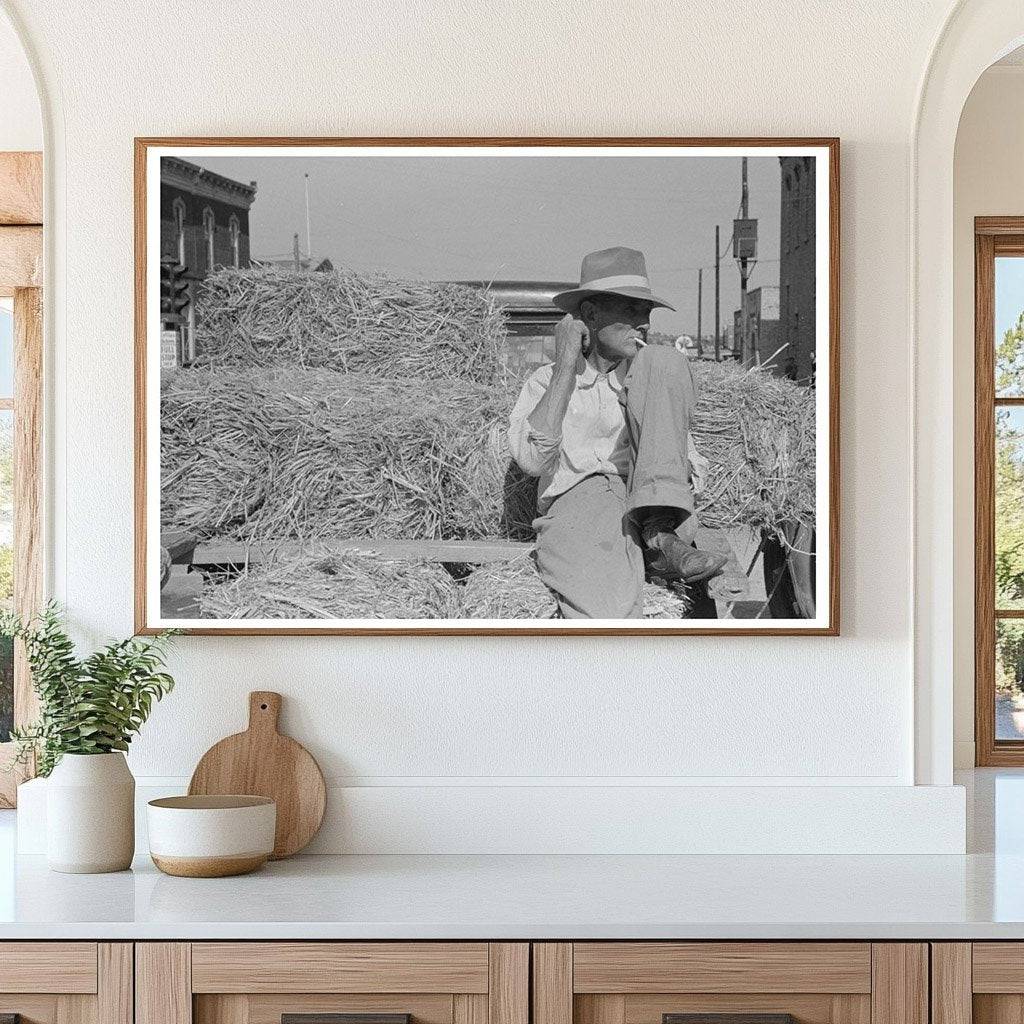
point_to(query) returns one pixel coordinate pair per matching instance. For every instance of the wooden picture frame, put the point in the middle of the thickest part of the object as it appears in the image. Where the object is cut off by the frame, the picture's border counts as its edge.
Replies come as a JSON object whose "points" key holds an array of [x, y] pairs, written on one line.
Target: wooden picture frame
{"points": [[822, 574]]}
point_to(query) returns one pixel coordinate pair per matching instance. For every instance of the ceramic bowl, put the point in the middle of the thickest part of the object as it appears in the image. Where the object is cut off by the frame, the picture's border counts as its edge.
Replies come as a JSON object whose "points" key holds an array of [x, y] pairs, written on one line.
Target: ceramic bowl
{"points": [[211, 836]]}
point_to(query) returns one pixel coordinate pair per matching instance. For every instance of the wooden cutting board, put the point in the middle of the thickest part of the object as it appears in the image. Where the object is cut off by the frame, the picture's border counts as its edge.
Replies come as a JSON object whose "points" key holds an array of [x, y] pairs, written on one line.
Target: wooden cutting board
{"points": [[262, 762]]}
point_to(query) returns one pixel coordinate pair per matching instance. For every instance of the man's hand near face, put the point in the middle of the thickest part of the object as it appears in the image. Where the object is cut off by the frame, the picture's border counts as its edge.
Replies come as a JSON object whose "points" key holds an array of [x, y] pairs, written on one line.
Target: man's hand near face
{"points": [[570, 339], [570, 335]]}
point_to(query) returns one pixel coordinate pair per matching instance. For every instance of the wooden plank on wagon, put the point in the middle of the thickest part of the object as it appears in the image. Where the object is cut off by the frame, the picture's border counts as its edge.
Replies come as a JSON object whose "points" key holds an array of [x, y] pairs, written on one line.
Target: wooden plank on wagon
{"points": [[21, 188], [476, 552]]}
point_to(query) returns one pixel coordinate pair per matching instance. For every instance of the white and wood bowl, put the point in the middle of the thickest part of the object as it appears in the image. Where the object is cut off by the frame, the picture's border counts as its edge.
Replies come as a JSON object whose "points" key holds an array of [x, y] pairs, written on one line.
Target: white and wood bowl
{"points": [[211, 836]]}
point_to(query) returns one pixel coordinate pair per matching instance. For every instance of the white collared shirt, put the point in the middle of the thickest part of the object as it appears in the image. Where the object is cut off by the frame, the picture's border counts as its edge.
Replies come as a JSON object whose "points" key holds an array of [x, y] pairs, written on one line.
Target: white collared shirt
{"points": [[594, 438]]}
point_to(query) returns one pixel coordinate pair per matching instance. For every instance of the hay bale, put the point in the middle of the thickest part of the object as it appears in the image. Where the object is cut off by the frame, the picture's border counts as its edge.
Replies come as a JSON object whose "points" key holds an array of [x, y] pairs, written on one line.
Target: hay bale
{"points": [[665, 602], [278, 453], [352, 586], [350, 322], [507, 590], [513, 590], [758, 432]]}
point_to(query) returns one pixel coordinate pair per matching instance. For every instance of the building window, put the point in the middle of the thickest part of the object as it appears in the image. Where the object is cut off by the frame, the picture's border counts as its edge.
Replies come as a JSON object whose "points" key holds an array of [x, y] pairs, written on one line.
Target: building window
{"points": [[235, 233], [209, 232], [999, 491], [179, 228]]}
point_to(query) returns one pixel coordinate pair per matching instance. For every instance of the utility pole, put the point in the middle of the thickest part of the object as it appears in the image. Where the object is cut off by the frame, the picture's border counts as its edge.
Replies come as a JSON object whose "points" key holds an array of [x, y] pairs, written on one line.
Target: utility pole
{"points": [[296, 259], [309, 244], [700, 310], [744, 272], [718, 318]]}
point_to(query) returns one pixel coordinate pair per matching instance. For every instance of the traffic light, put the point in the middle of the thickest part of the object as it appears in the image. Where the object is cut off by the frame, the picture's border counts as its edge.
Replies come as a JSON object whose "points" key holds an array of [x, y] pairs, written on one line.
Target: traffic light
{"points": [[174, 296]]}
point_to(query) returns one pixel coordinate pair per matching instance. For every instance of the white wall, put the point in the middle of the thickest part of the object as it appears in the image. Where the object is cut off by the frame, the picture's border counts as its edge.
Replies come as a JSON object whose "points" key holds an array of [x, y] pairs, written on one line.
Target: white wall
{"points": [[21, 124], [445, 713], [988, 181]]}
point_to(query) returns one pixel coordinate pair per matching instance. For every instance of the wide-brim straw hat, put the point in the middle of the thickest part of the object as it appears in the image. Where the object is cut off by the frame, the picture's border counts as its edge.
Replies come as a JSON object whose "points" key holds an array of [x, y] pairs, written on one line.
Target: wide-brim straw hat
{"points": [[615, 271]]}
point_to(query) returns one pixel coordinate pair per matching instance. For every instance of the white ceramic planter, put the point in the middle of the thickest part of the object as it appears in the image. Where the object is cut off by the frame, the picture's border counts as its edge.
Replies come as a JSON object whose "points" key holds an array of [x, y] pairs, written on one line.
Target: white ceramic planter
{"points": [[90, 814]]}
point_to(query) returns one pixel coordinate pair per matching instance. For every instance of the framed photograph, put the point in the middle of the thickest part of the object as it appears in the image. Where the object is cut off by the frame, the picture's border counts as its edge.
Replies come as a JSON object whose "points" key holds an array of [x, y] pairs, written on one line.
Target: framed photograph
{"points": [[487, 386]]}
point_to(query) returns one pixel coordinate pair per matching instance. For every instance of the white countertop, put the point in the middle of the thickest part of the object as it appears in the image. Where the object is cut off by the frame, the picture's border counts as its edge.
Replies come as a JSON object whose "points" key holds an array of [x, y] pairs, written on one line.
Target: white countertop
{"points": [[532, 897], [977, 896]]}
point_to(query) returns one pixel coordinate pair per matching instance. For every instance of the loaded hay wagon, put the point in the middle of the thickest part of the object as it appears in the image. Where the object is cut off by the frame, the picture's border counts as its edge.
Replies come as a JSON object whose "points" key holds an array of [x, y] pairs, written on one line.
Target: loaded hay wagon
{"points": [[339, 445]]}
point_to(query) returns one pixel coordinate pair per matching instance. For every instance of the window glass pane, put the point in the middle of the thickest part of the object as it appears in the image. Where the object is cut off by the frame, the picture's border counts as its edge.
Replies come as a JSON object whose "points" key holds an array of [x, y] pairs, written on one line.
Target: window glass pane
{"points": [[1009, 679], [6, 348], [1009, 486], [1009, 324], [6, 567]]}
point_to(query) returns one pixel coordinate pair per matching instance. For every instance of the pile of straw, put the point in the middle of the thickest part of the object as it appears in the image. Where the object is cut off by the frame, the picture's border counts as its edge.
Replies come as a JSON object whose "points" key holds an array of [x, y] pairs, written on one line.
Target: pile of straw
{"points": [[342, 405], [665, 602], [506, 590], [344, 321], [513, 590], [365, 585], [276, 453], [350, 586], [758, 432], [290, 453]]}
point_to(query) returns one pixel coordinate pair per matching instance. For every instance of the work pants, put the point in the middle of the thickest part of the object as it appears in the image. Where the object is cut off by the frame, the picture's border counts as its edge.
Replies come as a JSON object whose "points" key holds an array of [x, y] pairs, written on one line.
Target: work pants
{"points": [[588, 549]]}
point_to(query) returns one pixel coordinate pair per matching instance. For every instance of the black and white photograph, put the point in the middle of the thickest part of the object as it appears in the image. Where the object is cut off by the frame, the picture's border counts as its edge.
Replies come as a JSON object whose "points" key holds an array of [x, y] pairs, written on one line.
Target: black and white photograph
{"points": [[462, 386]]}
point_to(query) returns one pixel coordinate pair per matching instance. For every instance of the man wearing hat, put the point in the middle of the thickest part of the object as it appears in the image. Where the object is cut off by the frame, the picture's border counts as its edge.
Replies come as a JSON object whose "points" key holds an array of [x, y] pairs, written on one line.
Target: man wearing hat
{"points": [[605, 428]]}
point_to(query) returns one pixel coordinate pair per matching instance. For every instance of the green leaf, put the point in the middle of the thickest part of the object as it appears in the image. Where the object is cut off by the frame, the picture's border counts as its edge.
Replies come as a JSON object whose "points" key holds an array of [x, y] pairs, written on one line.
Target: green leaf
{"points": [[89, 705]]}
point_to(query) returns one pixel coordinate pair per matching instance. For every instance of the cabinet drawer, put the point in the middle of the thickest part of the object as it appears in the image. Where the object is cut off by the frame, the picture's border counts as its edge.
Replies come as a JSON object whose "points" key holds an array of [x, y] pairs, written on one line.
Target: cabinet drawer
{"points": [[998, 967], [734, 982], [261, 982], [66, 982], [635, 967], [339, 967], [48, 967]]}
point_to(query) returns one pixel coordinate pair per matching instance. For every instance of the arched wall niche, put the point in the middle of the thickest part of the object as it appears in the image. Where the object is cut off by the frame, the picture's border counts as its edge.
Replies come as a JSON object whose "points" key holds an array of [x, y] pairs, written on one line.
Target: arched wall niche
{"points": [[975, 35]]}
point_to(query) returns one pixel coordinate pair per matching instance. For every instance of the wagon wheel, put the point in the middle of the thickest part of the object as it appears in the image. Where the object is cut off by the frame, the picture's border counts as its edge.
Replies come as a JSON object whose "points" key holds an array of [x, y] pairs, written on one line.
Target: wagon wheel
{"points": [[789, 573]]}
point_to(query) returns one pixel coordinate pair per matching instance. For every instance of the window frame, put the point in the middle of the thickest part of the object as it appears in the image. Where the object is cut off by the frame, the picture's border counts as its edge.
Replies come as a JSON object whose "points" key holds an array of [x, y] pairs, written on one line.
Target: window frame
{"points": [[209, 236], [178, 207], [993, 237], [235, 230]]}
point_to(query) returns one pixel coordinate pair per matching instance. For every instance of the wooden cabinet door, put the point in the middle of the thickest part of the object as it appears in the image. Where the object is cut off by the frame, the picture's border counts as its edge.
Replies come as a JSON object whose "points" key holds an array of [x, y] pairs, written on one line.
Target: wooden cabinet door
{"points": [[264, 982], [979, 982], [737, 982], [66, 982]]}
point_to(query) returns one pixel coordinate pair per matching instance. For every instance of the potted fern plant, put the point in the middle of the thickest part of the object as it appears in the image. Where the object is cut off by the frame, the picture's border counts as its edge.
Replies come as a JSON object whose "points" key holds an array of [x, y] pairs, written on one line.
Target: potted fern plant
{"points": [[89, 710]]}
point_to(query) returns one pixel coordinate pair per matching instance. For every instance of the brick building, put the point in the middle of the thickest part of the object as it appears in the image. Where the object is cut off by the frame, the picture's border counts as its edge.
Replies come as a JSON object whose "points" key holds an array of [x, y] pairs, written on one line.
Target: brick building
{"points": [[204, 223], [797, 268], [761, 312]]}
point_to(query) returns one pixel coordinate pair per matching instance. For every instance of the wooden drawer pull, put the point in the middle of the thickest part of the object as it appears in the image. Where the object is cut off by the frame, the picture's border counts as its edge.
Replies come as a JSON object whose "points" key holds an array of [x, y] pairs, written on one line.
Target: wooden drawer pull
{"points": [[728, 1018], [340, 1018]]}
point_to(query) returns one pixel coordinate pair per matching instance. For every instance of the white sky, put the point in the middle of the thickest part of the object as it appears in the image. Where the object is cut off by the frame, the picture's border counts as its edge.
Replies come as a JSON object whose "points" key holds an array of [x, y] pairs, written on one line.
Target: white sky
{"points": [[519, 217]]}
